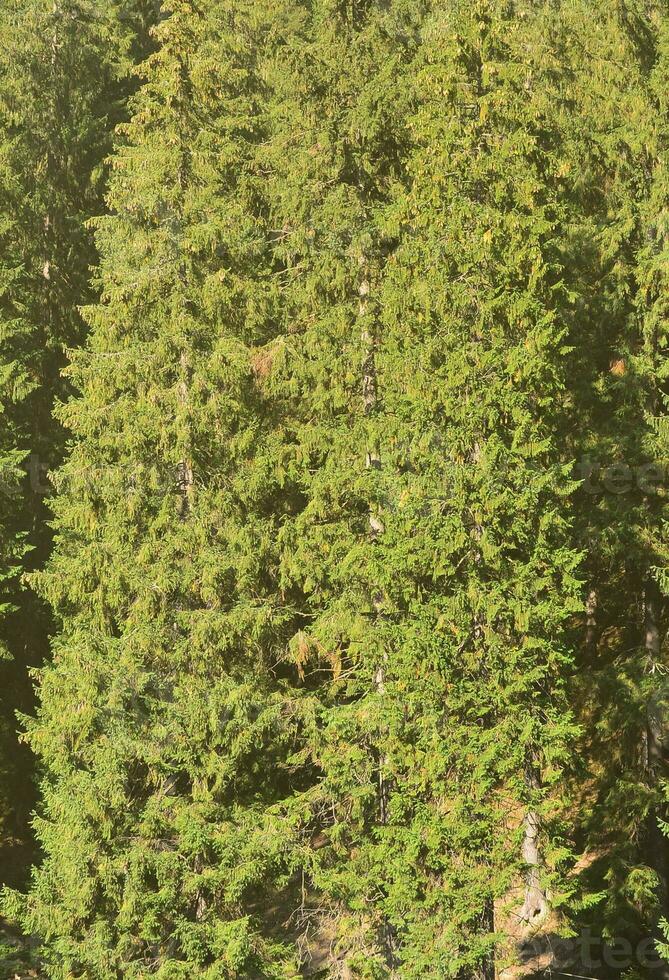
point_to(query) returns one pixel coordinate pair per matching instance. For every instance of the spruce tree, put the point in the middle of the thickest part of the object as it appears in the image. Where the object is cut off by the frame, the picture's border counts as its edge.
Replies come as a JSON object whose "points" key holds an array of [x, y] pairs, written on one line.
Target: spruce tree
{"points": [[63, 78], [613, 253], [341, 107], [423, 348], [162, 730]]}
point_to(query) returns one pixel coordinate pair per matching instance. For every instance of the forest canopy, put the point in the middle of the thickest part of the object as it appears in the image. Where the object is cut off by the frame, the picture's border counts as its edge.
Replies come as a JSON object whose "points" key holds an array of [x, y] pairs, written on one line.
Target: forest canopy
{"points": [[334, 470]]}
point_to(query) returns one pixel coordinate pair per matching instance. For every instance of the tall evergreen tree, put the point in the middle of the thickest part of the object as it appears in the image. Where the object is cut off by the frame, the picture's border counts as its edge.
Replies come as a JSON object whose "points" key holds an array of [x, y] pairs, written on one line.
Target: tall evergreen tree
{"points": [[63, 78], [162, 729], [423, 348], [613, 250]]}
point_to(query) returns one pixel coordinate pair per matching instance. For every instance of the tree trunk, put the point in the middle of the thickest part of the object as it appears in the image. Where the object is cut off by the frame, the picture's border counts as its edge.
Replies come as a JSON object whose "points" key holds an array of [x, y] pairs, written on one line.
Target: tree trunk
{"points": [[591, 620], [535, 905]]}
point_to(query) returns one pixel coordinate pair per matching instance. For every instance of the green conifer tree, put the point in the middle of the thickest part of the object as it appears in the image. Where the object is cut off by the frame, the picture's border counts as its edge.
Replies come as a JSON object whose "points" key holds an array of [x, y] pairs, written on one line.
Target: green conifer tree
{"points": [[615, 132], [423, 348], [162, 729], [63, 79]]}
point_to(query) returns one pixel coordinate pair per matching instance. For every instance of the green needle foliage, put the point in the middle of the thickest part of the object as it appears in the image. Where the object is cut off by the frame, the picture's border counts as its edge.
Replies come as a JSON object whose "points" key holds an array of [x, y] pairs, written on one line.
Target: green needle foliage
{"points": [[160, 845], [341, 115], [615, 253], [483, 544], [330, 317], [63, 79], [423, 349]]}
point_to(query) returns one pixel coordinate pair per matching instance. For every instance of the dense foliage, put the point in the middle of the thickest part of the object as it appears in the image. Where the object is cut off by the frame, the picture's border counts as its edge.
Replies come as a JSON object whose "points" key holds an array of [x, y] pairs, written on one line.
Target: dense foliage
{"points": [[64, 78], [340, 328]]}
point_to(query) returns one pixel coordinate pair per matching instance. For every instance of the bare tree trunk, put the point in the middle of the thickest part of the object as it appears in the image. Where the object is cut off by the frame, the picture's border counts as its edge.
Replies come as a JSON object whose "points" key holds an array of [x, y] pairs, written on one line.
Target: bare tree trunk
{"points": [[535, 905]]}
